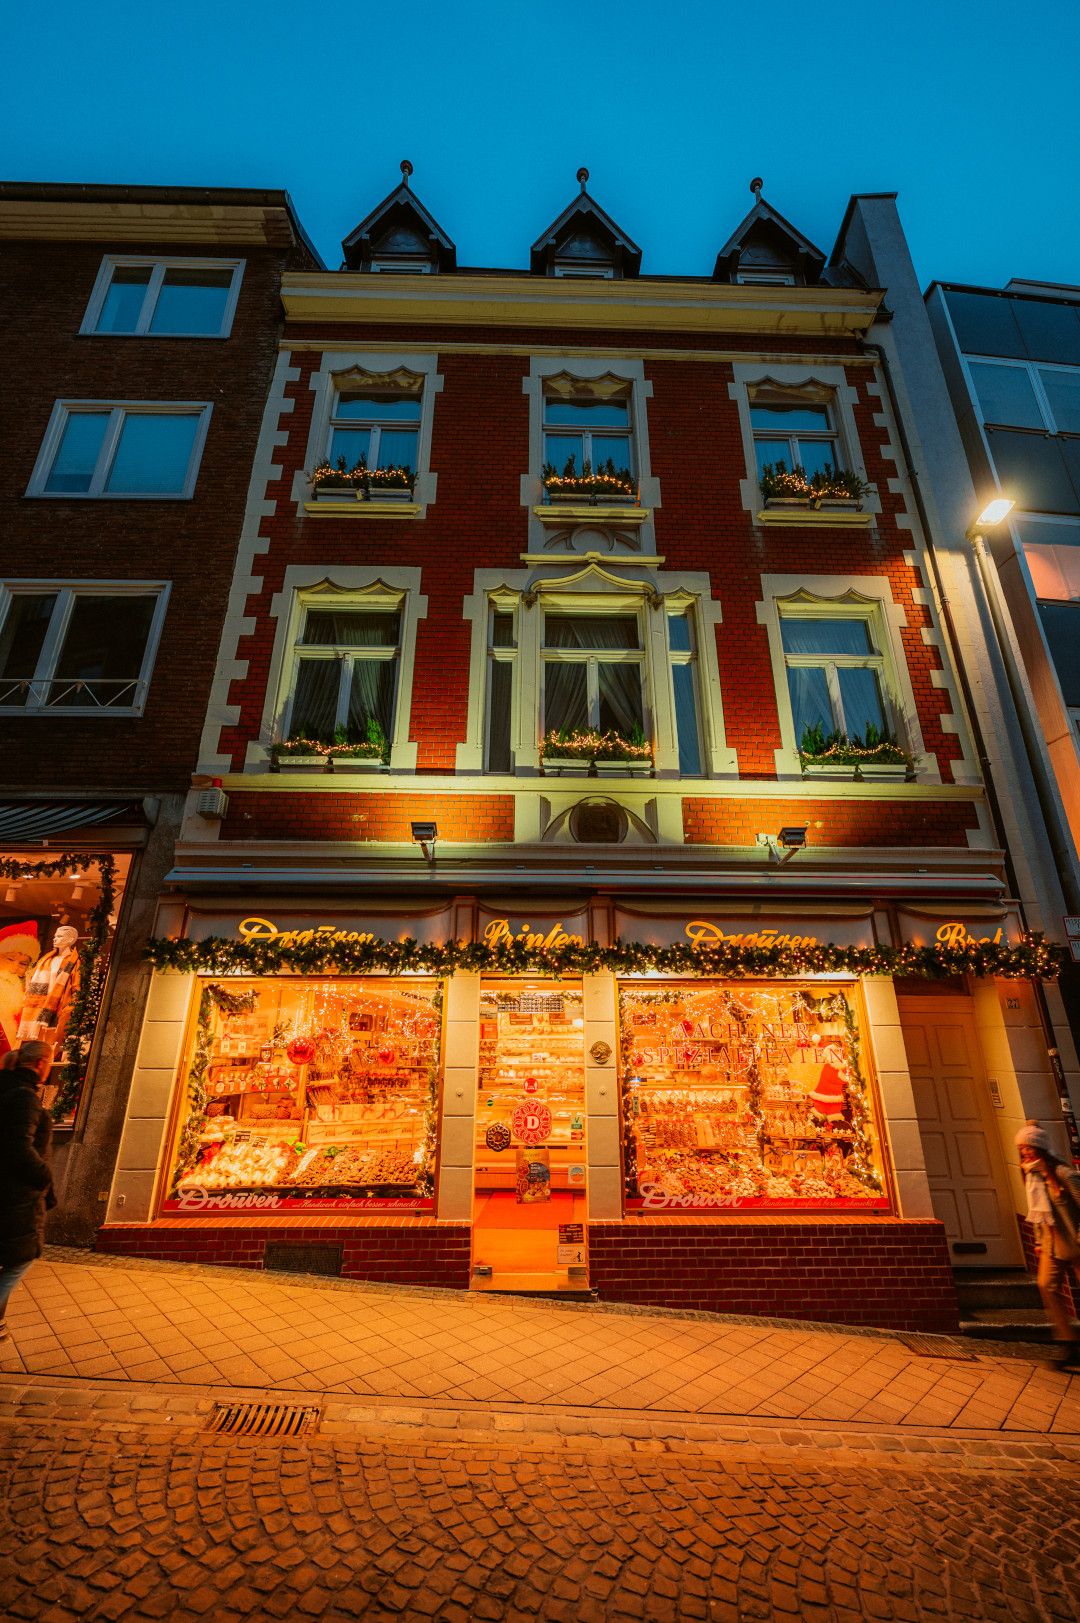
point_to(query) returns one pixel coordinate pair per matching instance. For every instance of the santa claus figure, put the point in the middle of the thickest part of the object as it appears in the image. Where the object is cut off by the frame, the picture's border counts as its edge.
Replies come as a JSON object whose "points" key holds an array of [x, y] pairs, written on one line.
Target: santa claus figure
{"points": [[828, 1097], [19, 947]]}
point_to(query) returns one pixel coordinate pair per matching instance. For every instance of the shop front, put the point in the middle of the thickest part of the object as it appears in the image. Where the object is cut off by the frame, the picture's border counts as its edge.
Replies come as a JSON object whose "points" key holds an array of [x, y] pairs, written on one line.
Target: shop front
{"points": [[712, 1111]]}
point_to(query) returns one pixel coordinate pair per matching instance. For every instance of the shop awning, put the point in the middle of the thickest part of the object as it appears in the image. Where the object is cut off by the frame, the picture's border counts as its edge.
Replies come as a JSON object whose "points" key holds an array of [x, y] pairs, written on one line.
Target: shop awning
{"points": [[80, 823]]}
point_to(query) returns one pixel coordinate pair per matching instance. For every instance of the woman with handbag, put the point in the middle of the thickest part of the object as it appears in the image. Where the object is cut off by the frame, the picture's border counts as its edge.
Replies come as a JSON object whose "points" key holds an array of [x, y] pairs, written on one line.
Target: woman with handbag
{"points": [[1053, 1192]]}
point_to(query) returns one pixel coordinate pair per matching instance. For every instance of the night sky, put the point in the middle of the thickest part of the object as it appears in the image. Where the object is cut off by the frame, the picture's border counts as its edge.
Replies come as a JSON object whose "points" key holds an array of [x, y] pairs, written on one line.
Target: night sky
{"points": [[968, 110]]}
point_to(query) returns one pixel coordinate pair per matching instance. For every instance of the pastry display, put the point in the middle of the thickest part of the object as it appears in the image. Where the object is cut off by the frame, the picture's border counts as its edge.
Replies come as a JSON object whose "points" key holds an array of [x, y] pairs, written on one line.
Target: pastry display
{"points": [[315, 1086], [531, 1089], [744, 1094]]}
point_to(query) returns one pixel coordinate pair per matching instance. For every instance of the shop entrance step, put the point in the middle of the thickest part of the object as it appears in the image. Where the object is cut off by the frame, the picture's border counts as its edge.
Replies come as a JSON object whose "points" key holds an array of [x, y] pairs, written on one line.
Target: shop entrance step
{"points": [[979, 1289]]}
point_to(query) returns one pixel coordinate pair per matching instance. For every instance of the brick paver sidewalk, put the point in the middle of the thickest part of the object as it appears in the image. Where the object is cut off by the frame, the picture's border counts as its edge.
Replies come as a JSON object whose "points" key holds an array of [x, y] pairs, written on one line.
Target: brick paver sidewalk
{"points": [[87, 1317]]}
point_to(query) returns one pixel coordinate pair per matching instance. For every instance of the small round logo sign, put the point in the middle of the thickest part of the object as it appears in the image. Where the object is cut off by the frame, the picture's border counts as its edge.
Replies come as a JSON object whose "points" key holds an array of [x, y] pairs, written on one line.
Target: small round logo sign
{"points": [[531, 1122]]}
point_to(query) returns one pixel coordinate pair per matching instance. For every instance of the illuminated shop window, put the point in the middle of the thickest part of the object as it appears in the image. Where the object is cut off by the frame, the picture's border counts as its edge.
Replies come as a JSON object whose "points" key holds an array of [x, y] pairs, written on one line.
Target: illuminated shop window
{"points": [[748, 1095], [309, 1092]]}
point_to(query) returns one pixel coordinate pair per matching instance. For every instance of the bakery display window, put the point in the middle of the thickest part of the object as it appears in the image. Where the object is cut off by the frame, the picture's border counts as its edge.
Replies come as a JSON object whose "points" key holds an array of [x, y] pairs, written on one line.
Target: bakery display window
{"points": [[748, 1095], [304, 1095]]}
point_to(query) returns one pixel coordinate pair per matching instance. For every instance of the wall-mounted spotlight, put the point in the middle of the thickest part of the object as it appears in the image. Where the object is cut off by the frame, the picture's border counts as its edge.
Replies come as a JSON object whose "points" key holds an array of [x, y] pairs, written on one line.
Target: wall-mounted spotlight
{"points": [[783, 846], [425, 835]]}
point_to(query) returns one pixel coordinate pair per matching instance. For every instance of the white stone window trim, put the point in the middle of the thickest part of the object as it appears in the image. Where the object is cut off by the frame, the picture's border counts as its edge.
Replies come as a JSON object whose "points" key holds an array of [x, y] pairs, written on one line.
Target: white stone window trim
{"points": [[860, 597], [158, 268], [592, 589], [346, 586], [67, 592], [816, 380], [119, 411], [588, 369], [343, 366]]}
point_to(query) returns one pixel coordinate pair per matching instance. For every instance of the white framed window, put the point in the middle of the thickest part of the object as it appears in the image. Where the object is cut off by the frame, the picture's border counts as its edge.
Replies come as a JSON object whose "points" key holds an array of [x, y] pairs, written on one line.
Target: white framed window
{"points": [[1027, 394], [588, 422], [343, 672], [377, 422], [129, 448], [685, 689], [835, 673], [765, 279], [794, 427], [593, 673], [502, 665], [78, 648], [164, 298]]}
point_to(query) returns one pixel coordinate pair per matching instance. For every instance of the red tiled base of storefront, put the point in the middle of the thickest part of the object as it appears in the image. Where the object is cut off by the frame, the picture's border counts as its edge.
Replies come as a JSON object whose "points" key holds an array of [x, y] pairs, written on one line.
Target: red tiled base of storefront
{"points": [[885, 1273], [401, 1251]]}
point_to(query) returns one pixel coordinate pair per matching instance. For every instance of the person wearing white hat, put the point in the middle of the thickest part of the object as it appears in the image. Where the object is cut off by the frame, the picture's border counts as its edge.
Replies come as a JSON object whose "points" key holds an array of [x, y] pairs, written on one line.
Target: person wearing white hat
{"points": [[1053, 1192]]}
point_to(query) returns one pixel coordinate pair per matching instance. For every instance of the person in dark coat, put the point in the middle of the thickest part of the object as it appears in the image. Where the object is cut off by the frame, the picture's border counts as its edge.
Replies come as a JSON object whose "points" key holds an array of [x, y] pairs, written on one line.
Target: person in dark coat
{"points": [[25, 1172]]}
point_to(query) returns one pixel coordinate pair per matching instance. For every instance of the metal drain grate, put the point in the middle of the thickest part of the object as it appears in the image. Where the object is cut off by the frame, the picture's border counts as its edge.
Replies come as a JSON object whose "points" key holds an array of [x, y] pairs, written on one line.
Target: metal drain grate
{"points": [[262, 1419], [938, 1347]]}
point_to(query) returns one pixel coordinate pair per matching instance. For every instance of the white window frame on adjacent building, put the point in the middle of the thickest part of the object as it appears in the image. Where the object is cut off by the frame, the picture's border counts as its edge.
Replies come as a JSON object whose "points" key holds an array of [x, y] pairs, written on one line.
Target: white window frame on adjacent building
{"points": [[118, 412], [158, 270], [833, 597], [1034, 371], [40, 680]]}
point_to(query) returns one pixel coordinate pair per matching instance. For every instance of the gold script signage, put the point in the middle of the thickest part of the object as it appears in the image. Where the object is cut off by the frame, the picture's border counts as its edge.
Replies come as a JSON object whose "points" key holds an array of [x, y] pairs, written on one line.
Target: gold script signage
{"points": [[523, 935]]}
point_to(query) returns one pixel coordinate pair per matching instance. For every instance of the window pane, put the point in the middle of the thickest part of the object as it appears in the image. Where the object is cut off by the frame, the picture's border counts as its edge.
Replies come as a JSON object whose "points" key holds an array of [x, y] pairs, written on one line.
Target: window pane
{"points": [[860, 696], [611, 448], [75, 461], [370, 409], [1051, 331], [502, 630], [800, 418], [499, 757], [985, 324], [154, 453], [103, 646], [686, 722], [1063, 393], [620, 698], [587, 413], [124, 300], [566, 703], [817, 455], [352, 444], [191, 301], [350, 628], [1033, 469], [679, 633], [371, 700], [21, 641], [591, 631], [810, 704], [772, 454], [558, 448], [397, 449], [826, 636], [314, 710], [1005, 395], [1061, 622]]}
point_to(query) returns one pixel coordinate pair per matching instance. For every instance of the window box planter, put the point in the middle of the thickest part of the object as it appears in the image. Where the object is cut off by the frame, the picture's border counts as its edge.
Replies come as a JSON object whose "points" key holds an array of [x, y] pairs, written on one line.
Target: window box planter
{"points": [[299, 763], [624, 769], [565, 766], [884, 771], [357, 763], [816, 504], [336, 493], [839, 771], [386, 493], [591, 498]]}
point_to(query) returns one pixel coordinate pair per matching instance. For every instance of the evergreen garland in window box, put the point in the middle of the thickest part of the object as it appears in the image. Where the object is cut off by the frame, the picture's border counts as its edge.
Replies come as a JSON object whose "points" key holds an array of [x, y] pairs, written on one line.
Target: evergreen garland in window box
{"points": [[336, 482], [875, 757], [608, 484], [837, 488], [579, 753]]}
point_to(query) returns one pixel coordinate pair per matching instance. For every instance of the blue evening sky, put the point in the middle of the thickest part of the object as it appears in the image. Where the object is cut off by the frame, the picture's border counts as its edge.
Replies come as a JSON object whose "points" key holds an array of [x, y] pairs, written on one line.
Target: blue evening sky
{"points": [[967, 108]]}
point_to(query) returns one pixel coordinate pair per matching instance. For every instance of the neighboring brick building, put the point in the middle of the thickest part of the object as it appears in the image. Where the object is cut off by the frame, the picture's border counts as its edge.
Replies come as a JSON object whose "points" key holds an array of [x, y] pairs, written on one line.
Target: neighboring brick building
{"points": [[140, 326], [412, 670]]}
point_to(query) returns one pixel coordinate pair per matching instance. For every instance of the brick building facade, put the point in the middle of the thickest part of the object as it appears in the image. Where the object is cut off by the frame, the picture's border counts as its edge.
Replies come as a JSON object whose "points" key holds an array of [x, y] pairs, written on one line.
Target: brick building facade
{"points": [[565, 806]]}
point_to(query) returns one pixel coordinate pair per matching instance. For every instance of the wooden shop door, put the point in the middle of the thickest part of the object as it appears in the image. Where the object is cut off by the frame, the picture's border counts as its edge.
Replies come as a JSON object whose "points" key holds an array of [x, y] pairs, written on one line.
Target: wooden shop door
{"points": [[964, 1161], [529, 1187]]}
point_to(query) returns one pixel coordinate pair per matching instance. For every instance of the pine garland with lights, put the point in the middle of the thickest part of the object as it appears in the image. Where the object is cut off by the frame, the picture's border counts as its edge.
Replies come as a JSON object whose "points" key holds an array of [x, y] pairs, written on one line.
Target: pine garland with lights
{"points": [[87, 1002], [1032, 957]]}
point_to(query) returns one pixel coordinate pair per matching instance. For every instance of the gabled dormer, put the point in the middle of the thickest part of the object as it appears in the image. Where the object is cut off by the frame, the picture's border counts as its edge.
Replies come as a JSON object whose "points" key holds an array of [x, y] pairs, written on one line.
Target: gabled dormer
{"points": [[584, 241], [400, 235], [767, 251]]}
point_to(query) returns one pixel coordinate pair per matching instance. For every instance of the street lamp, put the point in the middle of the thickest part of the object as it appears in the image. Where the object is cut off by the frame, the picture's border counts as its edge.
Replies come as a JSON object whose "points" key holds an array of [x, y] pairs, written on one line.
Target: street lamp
{"points": [[991, 516]]}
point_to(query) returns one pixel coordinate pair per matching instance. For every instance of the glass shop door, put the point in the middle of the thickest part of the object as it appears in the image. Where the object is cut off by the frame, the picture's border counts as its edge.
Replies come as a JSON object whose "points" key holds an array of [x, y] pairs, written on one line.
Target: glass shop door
{"points": [[529, 1191]]}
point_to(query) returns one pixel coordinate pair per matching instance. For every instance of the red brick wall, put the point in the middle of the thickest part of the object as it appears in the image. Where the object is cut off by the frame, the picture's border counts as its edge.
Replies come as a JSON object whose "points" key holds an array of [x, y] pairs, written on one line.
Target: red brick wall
{"points": [[832, 822], [886, 1273], [260, 815], [407, 1251], [44, 290]]}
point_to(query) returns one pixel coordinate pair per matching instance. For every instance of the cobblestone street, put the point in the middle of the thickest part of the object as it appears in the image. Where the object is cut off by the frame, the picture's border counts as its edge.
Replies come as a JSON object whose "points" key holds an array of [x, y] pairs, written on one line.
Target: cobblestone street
{"points": [[121, 1502]]}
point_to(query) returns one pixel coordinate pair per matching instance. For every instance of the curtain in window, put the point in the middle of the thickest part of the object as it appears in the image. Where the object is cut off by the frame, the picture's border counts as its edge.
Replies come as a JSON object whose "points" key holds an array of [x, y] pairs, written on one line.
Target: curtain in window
{"points": [[350, 628], [314, 711], [566, 703], [686, 726], [371, 698], [565, 685], [826, 636], [499, 701], [810, 705], [860, 696]]}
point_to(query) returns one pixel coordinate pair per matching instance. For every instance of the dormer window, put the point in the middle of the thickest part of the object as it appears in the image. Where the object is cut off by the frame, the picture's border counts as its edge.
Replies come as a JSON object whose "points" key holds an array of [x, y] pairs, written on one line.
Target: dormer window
{"points": [[584, 255], [399, 237], [753, 278], [585, 242], [403, 252]]}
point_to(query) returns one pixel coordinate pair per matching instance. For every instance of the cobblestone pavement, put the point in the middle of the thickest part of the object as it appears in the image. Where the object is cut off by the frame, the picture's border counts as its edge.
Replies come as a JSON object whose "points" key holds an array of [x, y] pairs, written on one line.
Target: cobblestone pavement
{"points": [[119, 1512], [82, 1316]]}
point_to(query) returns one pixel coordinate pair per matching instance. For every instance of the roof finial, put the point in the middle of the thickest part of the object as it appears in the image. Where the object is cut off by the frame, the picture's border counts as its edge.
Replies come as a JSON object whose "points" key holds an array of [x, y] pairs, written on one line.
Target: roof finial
{"points": [[406, 171], [583, 176], [755, 186]]}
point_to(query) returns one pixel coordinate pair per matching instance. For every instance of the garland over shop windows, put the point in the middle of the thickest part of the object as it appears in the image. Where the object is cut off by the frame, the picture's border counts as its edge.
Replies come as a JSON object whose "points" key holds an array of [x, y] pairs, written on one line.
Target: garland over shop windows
{"points": [[1031, 956], [84, 1012]]}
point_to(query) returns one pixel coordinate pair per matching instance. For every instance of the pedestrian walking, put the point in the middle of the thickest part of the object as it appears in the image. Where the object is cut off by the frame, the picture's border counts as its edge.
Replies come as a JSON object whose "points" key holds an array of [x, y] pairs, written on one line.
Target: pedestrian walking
{"points": [[26, 1189], [1053, 1193]]}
